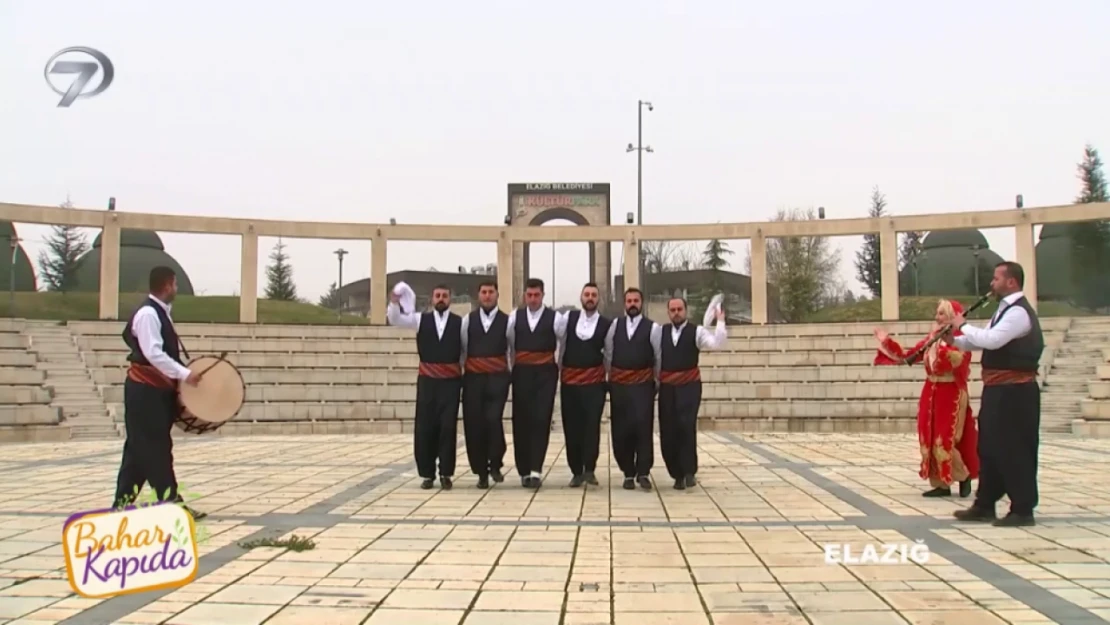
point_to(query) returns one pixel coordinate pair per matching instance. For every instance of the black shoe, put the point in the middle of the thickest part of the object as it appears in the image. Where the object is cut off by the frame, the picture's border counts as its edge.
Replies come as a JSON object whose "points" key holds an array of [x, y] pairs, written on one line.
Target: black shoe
{"points": [[965, 488], [197, 515], [939, 491], [526, 481], [975, 515], [427, 483], [483, 482], [591, 479], [1015, 520], [644, 482], [497, 476], [629, 483], [680, 484], [576, 481], [445, 483], [536, 483], [690, 481]]}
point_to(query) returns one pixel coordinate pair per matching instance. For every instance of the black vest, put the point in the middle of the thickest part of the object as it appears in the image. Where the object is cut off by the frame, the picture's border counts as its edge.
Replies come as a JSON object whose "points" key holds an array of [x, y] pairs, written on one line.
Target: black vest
{"points": [[170, 343], [1020, 354], [542, 339], [683, 356], [633, 352], [484, 343], [579, 354], [429, 345]]}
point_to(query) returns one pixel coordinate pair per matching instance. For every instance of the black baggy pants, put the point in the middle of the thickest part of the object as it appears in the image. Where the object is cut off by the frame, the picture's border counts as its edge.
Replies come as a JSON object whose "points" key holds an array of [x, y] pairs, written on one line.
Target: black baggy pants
{"points": [[1009, 438], [437, 423], [148, 416], [483, 402]]}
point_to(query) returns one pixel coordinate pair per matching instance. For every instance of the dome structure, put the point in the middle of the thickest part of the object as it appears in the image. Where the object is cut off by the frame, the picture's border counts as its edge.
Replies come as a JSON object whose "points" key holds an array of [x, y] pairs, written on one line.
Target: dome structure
{"points": [[948, 263], [24, 271], [1054, 259], [139, 252]]}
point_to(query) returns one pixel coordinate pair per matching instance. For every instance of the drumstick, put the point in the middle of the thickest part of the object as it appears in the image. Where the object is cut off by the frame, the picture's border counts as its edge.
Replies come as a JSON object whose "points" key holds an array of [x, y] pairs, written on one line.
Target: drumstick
{"points": [[222, 357]]}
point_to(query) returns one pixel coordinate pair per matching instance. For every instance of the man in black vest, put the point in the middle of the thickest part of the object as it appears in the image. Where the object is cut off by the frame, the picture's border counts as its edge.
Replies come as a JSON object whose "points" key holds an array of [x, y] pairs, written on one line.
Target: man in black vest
{"points": [[632, 359], [680, 390], [485, 385], [438, 383], [582, 335], [535, 377], [1010, 408], [150, 403]]}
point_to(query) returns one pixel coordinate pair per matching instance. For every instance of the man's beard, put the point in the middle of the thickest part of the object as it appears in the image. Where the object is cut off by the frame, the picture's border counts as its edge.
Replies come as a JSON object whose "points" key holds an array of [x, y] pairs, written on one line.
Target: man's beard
{"points": [[678, 322], [632, 311], [488, 308], [589, 306], [441, 306]]}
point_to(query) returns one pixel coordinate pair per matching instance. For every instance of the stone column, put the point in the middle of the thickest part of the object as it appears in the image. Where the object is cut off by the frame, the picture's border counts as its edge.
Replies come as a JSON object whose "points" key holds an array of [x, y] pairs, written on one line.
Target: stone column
{"points": [[379, 254], [632, 263], [516, 288], [506, 270], [109, 267], [888, 273], [248, 277], [759, 278], [1027, 258]]}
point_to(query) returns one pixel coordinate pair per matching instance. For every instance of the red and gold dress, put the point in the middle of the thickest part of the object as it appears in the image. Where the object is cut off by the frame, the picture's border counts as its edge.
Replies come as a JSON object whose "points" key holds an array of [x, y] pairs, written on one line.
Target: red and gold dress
{"points": [[946, 431]]}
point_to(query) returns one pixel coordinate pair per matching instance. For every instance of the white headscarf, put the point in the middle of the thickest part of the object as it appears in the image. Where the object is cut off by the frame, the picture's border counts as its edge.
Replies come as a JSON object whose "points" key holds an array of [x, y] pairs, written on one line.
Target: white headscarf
{"points": [[712, 308], [407, 297]]}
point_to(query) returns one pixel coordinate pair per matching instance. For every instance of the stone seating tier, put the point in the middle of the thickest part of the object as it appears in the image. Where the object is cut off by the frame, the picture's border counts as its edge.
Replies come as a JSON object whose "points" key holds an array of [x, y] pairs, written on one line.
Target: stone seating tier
{"points": [[784, 377], [1097, 406], [24, 401]]}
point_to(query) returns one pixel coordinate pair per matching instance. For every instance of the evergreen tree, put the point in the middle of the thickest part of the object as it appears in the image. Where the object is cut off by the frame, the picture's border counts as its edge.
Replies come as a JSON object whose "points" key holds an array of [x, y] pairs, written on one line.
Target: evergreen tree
{"points": [[331, 298], [713, 259], [58, 263], [279, 276], [869, 265], [1090, 241], [910, 247]]}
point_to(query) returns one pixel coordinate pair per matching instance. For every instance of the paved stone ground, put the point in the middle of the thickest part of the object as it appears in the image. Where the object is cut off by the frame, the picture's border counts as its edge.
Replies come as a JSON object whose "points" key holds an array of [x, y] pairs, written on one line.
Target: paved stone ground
{"points": [[745, 547]]}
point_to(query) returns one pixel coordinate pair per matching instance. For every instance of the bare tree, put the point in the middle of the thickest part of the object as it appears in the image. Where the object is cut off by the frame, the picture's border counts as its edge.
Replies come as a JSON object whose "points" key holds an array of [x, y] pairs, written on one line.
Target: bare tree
{"points": [[661, 256], [803, 269]]}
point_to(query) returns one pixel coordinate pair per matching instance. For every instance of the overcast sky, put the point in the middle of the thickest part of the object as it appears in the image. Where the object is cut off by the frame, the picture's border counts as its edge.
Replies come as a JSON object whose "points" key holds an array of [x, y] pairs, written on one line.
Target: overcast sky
{"points": [[424, 112]]}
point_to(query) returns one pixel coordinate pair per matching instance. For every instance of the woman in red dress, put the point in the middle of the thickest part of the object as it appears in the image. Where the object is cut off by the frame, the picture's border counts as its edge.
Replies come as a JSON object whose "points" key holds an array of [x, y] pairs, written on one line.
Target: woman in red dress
{"points": [[946, 432]]}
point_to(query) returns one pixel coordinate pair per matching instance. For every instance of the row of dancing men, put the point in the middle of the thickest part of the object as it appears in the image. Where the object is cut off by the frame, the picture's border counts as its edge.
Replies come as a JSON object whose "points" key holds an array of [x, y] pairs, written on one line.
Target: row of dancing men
{"points": [[476, 359]]}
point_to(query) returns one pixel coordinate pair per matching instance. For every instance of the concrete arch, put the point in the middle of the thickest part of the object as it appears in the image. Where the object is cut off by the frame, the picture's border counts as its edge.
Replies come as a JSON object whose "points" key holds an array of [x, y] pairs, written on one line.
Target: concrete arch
{"points": [[582, 204]]}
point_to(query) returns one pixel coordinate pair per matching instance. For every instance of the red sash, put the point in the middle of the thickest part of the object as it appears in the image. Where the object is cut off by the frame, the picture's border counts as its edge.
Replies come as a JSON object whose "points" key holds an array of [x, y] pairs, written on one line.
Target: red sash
{"points": [[486, 364], [440, 370], [151, 376], [631, 376], [581, 377], [534, 358], [999, 377], [678, 378]]}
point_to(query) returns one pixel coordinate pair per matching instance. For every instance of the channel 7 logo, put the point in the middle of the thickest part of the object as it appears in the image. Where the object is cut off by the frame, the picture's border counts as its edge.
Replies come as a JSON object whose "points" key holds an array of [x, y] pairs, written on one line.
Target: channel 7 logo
{"points": [[82, 63]]}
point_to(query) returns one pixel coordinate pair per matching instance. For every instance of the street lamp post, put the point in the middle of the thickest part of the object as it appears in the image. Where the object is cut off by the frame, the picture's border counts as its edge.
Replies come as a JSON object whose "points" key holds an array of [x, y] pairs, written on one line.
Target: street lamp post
{"points": [[975, 254], [11, 276], [339, 253], [639, 149]]}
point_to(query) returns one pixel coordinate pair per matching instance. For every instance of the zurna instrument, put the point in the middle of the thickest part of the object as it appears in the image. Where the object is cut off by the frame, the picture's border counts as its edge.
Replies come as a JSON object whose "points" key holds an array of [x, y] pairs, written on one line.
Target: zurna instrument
{"points": [[909, 359]]}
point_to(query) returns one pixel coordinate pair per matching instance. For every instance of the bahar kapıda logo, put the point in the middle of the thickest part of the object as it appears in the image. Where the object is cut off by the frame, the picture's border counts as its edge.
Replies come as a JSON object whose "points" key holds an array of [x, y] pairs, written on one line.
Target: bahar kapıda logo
{"points": [[151, 545]]}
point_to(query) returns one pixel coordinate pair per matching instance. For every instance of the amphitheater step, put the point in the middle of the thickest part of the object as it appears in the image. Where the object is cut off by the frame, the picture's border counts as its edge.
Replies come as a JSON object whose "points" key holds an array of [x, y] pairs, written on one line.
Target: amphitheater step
{"points": [[74, 393]]}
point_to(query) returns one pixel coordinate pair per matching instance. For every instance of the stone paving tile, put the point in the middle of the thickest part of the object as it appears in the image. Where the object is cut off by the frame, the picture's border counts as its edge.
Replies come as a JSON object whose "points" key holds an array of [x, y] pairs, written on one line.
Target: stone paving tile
{"points": [[748, 546]]}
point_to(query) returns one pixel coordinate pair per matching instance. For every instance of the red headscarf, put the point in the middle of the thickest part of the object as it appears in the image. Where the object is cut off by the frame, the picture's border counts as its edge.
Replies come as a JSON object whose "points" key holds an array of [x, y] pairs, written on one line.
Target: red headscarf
{"points": [[959, 310]]}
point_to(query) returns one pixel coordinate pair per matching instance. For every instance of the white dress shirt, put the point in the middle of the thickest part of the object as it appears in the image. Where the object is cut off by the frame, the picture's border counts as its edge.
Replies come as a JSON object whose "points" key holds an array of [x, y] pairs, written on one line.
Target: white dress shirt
{"points": [[630, 324], [1013, 325], [487, 321], [533, 317], [584, 329], [411, 320], [705, 340], [147, 329]]}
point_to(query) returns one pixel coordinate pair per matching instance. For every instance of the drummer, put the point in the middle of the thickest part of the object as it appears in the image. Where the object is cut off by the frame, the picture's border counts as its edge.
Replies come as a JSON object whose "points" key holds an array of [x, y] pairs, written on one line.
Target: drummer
{"points": [[150, 402]]}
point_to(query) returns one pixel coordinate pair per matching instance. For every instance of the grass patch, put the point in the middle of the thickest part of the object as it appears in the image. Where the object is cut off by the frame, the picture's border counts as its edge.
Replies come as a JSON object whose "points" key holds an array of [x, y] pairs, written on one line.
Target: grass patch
{"points": [[293, 543], [923, 308], [186, 309]]}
